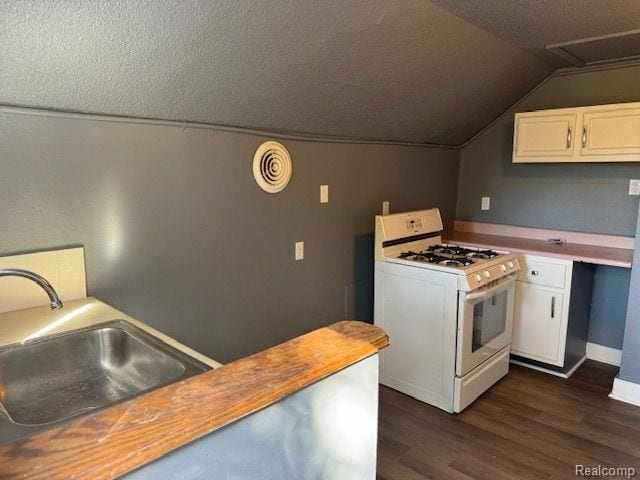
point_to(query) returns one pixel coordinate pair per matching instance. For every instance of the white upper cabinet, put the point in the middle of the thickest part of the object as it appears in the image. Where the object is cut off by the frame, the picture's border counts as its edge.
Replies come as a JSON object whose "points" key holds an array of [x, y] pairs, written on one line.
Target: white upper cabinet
{"points": [[603, 133], [547, 136], [612, 132]]}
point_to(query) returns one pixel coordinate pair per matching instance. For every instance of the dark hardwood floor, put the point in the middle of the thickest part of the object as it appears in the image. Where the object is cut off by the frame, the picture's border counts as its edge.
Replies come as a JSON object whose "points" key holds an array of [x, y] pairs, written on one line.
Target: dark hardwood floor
{"points": [[530, 425]]}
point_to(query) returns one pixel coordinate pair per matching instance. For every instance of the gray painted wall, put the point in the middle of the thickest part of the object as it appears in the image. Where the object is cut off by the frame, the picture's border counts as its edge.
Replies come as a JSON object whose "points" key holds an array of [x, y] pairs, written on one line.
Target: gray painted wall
{"points": [[589, 197], [630, 368], [586, 197], [327, 431], [178, 234]]}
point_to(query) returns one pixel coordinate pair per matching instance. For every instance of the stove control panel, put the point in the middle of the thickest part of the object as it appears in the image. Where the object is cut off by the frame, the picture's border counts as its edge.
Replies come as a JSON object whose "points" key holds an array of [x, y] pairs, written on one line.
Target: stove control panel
{"points": [[414, 224], [491, 273]]}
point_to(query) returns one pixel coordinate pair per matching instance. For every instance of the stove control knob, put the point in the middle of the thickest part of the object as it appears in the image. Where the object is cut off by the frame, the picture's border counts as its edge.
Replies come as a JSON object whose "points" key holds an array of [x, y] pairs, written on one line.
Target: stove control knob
{"points": [[503, 267], [478, 277], [487, 274], [510, 264]]}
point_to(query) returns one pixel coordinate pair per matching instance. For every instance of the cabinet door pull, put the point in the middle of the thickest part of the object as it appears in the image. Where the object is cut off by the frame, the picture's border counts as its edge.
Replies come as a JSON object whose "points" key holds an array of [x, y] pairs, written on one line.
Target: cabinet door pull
{"points": [[569, 137], [535, 273], [553, 307], [584, 136]]}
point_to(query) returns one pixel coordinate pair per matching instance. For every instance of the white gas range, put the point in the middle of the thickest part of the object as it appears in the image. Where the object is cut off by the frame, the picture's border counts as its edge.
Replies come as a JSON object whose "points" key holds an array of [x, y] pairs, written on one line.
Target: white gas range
{"points": [[447, 308]]}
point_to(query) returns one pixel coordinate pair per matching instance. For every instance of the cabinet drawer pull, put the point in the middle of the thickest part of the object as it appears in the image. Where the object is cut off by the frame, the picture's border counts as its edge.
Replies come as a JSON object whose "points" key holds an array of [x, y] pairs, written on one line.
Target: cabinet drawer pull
{"points": [[584, 136], [569, 137], [535, 273], [553, 307]]}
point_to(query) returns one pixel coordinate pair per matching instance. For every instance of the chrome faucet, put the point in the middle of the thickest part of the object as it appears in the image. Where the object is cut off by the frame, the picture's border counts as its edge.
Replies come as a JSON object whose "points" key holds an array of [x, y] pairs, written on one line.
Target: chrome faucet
{"points": [[55, 302]]}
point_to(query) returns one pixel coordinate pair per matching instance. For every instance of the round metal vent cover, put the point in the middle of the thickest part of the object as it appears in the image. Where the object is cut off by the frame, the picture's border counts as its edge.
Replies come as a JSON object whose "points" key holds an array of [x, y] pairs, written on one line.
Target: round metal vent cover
{"points": [[272, 167]]}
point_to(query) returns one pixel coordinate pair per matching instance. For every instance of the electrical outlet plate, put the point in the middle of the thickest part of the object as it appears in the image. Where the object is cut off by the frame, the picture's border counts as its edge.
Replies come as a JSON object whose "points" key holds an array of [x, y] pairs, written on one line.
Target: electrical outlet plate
{"points": [[324, 193], [385, 207], [299, 250], [486, 203], [634, 186]]}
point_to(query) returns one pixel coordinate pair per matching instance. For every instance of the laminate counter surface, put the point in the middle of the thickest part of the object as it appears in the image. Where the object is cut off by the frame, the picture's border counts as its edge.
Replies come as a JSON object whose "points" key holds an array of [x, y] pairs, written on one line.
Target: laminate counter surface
{"points": [[599, 255]]}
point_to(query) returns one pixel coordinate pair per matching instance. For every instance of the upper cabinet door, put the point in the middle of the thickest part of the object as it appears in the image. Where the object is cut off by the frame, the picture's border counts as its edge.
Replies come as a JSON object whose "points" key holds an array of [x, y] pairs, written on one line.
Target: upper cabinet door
{"points": [[611, 134], [544, 137], [600, 133]]}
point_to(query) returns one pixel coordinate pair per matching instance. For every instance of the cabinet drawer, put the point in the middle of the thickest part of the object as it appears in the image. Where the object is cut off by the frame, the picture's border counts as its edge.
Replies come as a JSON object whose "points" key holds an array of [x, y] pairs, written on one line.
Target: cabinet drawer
{"points": [[476, 382], [540, 272]]}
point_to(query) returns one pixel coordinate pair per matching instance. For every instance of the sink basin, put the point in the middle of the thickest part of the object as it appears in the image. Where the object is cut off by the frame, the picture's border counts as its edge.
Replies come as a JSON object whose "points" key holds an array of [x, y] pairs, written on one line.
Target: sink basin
{"points": [[57, 377]]}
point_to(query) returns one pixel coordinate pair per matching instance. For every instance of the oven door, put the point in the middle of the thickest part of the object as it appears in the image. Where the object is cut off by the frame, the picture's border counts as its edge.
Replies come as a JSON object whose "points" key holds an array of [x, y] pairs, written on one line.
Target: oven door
{"points": [[485, 321]]}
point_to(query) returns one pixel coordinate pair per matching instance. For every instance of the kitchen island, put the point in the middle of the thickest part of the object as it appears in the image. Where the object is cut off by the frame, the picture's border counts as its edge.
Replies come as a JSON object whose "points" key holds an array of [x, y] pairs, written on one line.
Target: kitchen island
{"points": [[169, 427]]}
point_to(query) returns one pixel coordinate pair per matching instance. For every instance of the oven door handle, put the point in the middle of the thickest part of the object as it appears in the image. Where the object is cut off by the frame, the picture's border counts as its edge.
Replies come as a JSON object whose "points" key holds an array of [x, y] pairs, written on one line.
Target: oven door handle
{"points": [[506, 284]]}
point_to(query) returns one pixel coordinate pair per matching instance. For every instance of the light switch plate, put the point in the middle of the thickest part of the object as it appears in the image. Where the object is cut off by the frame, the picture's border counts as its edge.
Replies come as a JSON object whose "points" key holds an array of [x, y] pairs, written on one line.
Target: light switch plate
{"points": [[634, 187], [299, 250], [385, 207], [486, 203], [324, 193]]}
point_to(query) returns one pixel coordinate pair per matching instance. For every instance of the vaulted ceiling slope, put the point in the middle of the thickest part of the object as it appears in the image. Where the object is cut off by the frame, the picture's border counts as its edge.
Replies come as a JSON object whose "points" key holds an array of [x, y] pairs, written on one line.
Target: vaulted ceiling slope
{"points": [[408, 71], [532, 24]]}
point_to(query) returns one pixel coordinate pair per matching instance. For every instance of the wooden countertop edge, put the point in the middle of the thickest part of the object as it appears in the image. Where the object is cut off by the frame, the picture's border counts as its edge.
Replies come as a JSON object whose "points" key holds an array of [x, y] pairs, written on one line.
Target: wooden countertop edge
{"points": [[501, 242], [127, 436]]}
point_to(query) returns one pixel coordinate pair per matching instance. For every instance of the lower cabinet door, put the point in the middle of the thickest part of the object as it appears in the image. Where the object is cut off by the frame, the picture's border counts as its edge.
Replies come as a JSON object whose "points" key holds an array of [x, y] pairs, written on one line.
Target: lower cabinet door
{"points": [[539, 326]]}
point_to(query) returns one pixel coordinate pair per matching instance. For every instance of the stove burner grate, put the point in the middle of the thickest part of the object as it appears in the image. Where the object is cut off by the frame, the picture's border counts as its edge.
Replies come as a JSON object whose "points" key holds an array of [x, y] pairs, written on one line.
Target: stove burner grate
{"points": [[450, 255], [456, 250], [451, 261], [431, 256]]}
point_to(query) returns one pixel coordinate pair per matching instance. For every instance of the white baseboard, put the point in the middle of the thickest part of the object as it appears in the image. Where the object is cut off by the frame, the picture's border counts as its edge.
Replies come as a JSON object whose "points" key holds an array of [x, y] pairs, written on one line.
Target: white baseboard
{"points": [[549, 371], [626, 391], [576, 366], [538, 368], [603, 354]]}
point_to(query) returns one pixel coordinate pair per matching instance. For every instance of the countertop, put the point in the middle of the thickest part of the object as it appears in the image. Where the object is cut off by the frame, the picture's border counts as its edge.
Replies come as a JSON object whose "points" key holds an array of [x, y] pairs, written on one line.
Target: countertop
{"points": [[616, 257]]}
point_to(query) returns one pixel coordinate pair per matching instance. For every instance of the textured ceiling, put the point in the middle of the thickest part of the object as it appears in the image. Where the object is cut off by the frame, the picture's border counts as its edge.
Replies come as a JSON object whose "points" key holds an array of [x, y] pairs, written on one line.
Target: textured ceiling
{"points": [[405, 70], [532, 24], [369, 69]]}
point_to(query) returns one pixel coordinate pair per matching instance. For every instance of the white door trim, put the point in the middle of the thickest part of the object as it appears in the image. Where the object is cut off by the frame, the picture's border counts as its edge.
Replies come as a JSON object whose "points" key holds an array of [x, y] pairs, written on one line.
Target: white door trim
{"points": [[626, 391]]}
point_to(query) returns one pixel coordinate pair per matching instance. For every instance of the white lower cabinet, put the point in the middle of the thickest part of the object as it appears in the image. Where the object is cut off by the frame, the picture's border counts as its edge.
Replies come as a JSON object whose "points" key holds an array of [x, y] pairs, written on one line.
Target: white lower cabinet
{"points": [[538, 323], [541, 313]]}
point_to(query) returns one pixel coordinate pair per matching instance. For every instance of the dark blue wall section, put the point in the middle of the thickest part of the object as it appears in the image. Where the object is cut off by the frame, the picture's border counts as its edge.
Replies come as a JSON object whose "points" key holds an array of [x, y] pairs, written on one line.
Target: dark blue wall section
{"points": [[609, 306], [630, 369]]}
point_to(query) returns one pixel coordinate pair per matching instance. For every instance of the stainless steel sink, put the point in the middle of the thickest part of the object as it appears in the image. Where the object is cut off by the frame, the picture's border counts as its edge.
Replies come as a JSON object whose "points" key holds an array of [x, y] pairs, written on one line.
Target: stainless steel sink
{"points": [[58, 377]]}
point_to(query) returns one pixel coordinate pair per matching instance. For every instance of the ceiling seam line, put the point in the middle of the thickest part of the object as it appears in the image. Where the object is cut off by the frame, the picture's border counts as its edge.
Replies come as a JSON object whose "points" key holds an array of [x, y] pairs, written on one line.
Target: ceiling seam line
{"points": [[301, 137], [76, 115]]}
